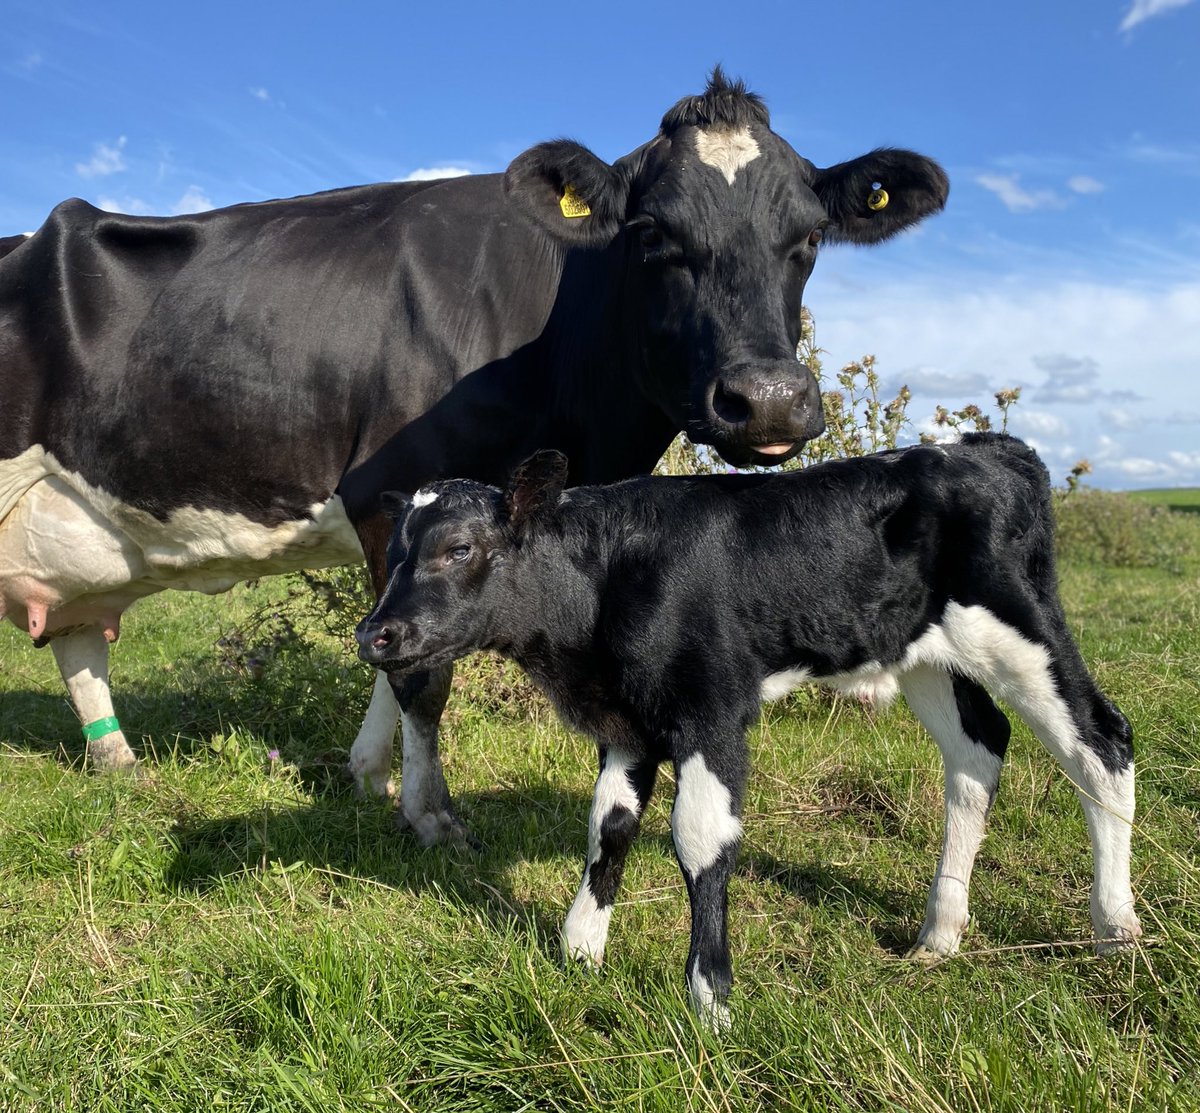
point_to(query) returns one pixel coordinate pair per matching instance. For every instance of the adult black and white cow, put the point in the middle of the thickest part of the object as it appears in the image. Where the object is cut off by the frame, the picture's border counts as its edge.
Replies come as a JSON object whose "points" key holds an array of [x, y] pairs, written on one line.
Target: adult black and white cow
{"points": [[196, 400], [658, 613]]}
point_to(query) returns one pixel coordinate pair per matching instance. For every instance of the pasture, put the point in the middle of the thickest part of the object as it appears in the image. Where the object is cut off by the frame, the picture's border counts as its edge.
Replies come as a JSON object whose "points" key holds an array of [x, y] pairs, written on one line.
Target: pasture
{"points": [[234, 930]]}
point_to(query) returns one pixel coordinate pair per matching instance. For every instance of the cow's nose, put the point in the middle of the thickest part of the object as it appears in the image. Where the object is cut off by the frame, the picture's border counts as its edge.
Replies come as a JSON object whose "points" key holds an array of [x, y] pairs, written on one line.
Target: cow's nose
{"points": [[769, 407], [376, 637]]}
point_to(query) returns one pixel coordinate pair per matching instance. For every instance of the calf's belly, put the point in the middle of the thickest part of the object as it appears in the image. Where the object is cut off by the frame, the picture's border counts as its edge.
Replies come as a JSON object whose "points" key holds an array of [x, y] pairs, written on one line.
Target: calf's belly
{"points": [[71, 554]]}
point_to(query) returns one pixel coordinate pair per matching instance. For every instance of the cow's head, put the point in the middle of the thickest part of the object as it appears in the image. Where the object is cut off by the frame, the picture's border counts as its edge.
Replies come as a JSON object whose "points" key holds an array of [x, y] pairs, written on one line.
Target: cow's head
{"points": [[446, 593], [720, 221]]}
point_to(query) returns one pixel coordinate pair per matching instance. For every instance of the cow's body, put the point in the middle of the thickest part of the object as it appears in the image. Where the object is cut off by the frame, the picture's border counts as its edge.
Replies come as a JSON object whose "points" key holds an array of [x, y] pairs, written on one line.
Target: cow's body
{"points": [[658, 613], [195, 400]]}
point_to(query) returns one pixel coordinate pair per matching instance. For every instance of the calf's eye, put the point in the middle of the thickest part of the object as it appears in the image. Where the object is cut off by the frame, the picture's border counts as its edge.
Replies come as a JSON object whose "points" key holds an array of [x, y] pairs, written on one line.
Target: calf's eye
{"points": [[650, 237], [457, 553], [816, 236]]}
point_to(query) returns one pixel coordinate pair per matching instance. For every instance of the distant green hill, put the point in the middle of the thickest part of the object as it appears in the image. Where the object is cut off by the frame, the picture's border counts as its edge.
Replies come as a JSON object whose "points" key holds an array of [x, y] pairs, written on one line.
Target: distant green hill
{"points": [[1177, 498]]}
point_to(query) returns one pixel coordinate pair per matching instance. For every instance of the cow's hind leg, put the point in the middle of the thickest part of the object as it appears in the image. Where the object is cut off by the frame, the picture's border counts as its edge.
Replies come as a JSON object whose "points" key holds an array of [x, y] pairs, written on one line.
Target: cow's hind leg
{"points": [[82, 658], [623, 789], [972, 734], [707, 832]]}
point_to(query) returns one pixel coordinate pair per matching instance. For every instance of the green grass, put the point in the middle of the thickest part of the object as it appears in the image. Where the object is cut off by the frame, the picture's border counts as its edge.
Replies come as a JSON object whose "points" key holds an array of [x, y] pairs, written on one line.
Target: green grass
{"points": [[230, 932]]}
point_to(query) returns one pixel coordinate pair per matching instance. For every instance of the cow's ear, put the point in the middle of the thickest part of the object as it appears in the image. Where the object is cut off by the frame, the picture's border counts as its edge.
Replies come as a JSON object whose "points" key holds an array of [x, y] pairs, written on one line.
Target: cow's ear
{"points": [[567, 191], [873, 197], [535, 486], [395, 504]]}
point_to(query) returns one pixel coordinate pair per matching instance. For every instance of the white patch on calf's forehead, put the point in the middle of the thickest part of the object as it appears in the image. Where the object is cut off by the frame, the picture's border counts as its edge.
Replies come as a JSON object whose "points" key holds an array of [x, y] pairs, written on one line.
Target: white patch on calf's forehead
{"points": [[727, 149], [423, 498]]}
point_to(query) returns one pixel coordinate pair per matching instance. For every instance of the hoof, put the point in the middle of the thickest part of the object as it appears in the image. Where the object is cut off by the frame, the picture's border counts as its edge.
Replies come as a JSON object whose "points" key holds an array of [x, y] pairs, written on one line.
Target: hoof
{"points": [[111, 754], [440, 828], [367, 787], [1120, 942], [925, 955]]}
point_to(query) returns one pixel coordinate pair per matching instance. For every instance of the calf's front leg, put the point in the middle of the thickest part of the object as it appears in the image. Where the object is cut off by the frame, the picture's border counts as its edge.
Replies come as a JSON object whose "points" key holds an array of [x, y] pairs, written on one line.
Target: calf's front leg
{"points": [[82, 659], [707, 831], [623, 789]]}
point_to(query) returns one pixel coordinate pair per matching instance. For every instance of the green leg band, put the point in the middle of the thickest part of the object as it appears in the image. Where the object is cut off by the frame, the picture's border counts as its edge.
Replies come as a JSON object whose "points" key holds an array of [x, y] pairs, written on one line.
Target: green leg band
{"points": [[101, 727]]}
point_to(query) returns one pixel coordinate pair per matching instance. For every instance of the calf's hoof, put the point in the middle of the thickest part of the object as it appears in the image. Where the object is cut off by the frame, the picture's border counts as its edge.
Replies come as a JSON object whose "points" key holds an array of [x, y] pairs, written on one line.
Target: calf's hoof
{"points": [[1117, 940], [368, 787], [925, 954], [438, 828]]}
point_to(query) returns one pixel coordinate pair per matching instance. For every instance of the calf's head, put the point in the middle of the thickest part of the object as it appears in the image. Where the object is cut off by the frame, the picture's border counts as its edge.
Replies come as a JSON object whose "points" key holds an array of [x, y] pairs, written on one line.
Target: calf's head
{"points": [[718, 222], [450, 546]]}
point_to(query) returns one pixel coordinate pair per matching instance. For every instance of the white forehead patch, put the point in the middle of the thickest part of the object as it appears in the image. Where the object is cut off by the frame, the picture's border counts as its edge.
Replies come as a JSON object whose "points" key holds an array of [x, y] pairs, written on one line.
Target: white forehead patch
{"points": [[726, 149], [423, 498]]}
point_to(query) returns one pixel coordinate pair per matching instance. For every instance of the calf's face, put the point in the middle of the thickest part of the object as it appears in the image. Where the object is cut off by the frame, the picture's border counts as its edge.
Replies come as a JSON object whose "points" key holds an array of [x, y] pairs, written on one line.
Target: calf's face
{"points": [[451, 542]]}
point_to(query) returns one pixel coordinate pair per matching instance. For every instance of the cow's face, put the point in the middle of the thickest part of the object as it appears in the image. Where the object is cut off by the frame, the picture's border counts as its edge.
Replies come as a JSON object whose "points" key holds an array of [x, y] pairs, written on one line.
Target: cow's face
{"points": [[719, 223], [449, 546]]}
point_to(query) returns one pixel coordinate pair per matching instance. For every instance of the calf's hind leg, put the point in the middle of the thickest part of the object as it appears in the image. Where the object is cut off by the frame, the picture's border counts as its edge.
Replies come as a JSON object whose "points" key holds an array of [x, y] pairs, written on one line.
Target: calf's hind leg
{"points": [[707, 832], [972, 735], [82, 658], [623, 789]]}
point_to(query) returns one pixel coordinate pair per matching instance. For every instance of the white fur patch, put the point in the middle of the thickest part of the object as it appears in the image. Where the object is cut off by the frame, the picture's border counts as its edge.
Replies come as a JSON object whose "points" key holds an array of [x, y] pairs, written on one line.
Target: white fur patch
{"points": [[371, 754], [704, 1002], [72, 553], [585, 930], [727, 150], [702, 821], [778, 684], [424, 498]]}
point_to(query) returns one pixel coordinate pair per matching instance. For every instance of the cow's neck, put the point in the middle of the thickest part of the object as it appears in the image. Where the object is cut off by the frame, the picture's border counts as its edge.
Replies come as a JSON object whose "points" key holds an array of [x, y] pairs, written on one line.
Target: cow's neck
{"points": [[598, 414]]}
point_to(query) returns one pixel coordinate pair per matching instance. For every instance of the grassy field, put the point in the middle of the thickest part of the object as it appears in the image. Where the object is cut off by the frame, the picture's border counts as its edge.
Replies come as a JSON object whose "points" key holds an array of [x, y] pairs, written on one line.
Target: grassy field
{"points": [[1176, 498], [235, 931]]}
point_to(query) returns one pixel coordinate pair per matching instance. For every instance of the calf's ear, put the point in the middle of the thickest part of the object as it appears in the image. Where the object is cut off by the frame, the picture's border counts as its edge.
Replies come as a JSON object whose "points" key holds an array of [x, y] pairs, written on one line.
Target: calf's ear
{"points": [[568, 192], [395, 504], [535, 486], [873, 197]]}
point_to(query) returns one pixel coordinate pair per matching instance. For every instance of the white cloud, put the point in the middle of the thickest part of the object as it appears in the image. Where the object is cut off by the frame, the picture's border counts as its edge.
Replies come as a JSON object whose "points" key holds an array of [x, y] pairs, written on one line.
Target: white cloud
{"points": [[1029, 423], [432, 173], [105, 160], [259, 93], [1122, 419], [194, 200], [933, 380], [133, 206], [1015, 197], [1142, 10], [1090, 345], [1139, 467], [1081, 183], [1189, 461]]}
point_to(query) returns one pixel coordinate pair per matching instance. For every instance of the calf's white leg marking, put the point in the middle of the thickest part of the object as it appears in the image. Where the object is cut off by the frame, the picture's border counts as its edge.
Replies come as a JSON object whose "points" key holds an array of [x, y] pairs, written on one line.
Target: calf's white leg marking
{"points": [[371, 754], [972, 773], [585, 930], [726, 149], [976, 643], [83, 661], [702, 820], [712, 1013]]}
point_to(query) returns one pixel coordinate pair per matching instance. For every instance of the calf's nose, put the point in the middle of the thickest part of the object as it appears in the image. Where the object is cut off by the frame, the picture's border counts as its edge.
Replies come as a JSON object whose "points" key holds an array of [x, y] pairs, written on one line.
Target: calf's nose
{"points": [[377, 636]]}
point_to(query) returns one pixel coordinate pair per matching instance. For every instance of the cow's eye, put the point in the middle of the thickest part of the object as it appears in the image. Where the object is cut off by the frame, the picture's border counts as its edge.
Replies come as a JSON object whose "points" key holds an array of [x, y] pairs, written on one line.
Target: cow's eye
{"points": [[650, 237], [457, 553], [816, 236]]}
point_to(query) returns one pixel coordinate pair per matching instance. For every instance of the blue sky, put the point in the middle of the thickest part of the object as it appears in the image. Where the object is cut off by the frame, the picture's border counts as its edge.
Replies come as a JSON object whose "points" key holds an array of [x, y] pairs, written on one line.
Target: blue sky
{"points": [[1067, 261]]}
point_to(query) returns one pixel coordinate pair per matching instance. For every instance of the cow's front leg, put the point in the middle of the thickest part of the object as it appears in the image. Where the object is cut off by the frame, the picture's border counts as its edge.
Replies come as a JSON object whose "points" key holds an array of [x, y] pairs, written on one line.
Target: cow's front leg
{"points": [[424, 798], [707, 832], [82, 659], [623, 789]]}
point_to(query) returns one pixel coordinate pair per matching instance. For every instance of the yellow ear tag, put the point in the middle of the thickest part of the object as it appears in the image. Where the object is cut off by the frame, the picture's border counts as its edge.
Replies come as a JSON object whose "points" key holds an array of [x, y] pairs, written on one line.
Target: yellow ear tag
{"points": [[877, 199], [572, 204]]}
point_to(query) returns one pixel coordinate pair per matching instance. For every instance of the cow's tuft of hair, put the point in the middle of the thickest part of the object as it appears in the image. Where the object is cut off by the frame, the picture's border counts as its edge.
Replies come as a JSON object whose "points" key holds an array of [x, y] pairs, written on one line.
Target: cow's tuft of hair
{"points": [[724, 104]]}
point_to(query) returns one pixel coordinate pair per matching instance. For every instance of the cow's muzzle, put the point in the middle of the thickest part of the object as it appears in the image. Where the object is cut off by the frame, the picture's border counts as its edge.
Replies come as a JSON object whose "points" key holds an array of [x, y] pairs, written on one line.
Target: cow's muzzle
{"points": [[762, 412]]}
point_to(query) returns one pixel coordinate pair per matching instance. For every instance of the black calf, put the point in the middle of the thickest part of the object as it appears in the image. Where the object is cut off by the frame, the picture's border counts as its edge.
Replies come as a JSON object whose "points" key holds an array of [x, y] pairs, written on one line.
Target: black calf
{"points": [[657, 613]]}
